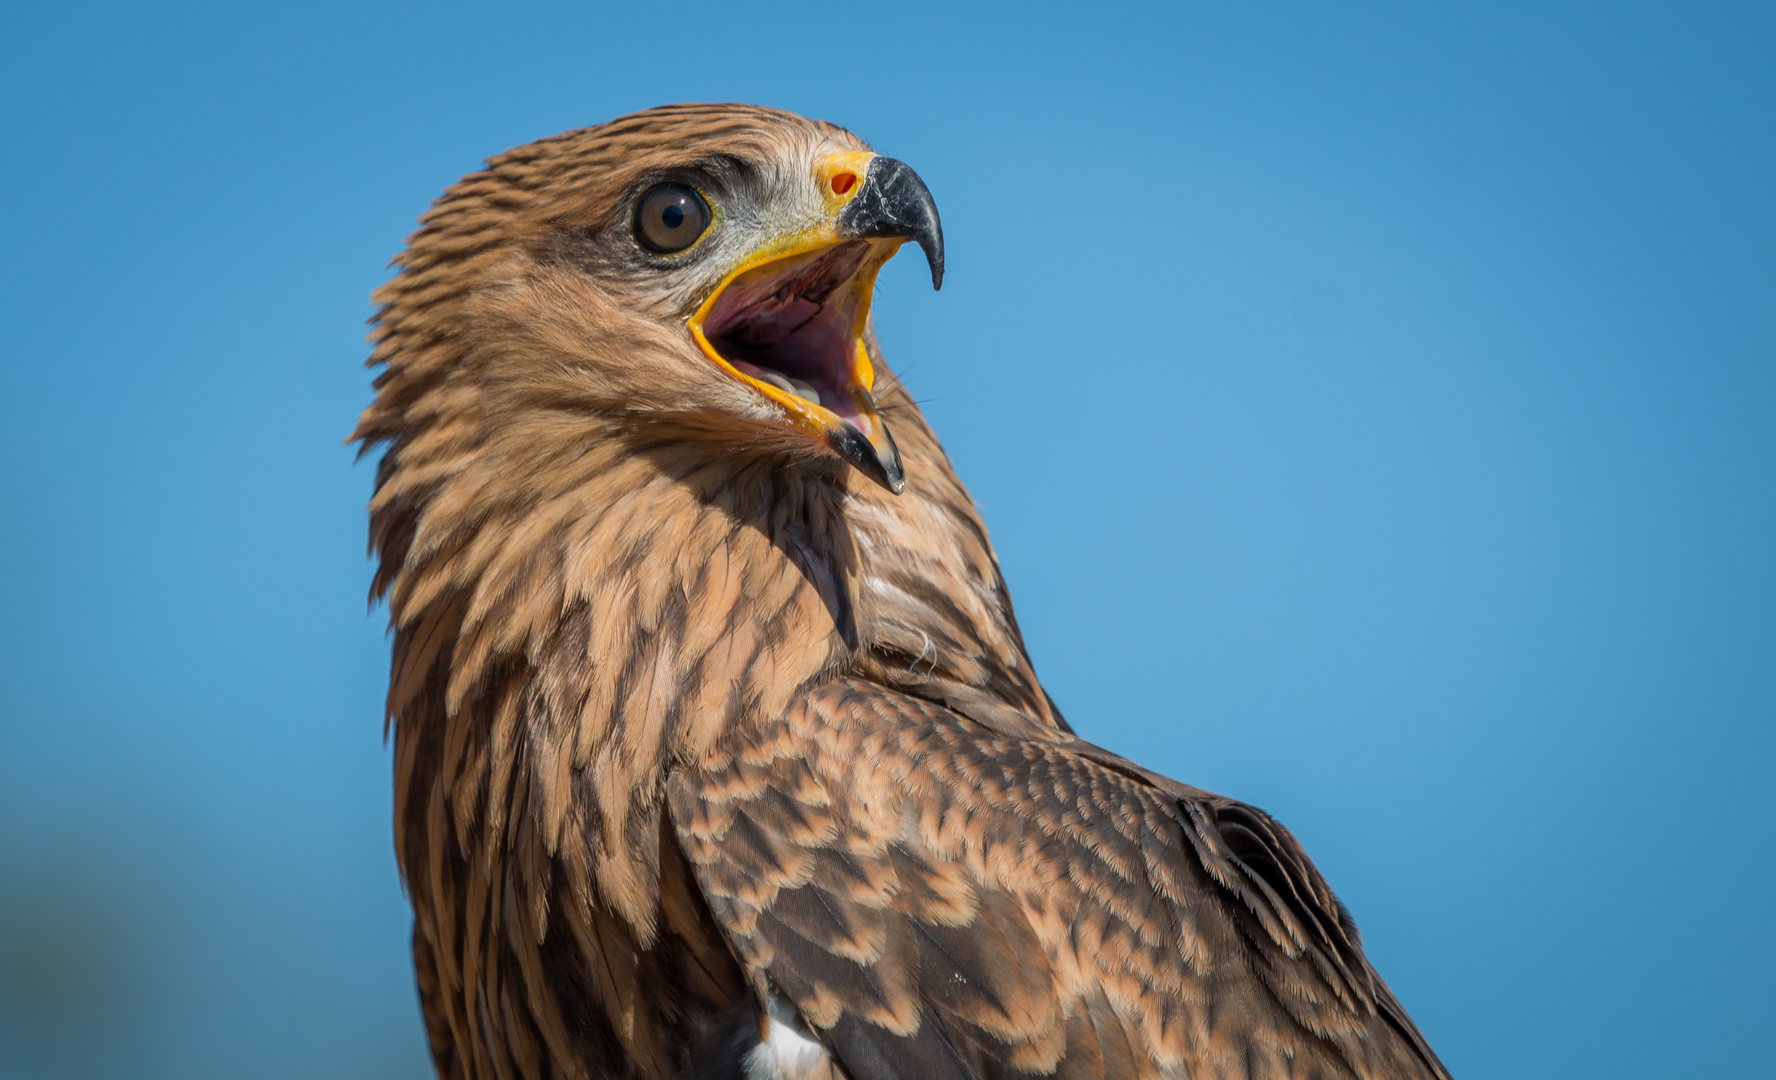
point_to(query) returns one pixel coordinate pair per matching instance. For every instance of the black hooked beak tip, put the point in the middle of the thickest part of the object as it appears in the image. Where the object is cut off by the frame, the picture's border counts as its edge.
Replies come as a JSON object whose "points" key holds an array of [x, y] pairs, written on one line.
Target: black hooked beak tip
{"points": [[894, 202]]}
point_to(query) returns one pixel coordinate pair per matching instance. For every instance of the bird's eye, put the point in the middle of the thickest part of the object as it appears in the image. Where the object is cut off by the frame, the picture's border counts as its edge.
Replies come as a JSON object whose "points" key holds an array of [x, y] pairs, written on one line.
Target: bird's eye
{"points": [[670, 217]]}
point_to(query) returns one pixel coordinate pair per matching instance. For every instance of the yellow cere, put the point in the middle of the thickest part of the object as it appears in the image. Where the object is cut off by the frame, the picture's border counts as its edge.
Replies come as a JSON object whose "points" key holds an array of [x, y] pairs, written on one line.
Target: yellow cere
{"points": [[831, 169]]}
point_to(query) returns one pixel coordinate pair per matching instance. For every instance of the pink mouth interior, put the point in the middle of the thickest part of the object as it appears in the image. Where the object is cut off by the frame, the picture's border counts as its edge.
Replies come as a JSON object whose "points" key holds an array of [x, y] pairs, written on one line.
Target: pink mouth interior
{"points": [[791, 323]]}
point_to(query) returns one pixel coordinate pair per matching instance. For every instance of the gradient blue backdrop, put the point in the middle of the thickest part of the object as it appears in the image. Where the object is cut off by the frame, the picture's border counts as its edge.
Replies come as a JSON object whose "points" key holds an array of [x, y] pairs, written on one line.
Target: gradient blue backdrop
{"points": [[1374, 408]]}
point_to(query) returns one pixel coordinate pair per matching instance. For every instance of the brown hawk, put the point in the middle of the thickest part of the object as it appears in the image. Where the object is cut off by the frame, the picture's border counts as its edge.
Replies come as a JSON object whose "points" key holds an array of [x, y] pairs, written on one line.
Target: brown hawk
{"points": [[717, 750]]}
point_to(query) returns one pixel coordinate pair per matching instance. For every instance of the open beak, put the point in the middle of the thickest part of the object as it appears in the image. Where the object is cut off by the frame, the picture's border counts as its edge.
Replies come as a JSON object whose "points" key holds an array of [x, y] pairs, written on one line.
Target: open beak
{"points": [[789, 320]]}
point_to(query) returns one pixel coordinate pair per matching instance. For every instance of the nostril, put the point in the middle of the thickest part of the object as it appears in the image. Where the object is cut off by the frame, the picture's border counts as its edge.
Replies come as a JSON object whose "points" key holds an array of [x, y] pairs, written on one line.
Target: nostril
{"points": [[842, 182]]}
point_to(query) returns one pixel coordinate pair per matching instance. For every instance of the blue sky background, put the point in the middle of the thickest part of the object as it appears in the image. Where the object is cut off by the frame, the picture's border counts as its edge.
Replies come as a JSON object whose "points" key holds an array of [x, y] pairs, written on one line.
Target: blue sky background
{"points": [[1374, 407]]}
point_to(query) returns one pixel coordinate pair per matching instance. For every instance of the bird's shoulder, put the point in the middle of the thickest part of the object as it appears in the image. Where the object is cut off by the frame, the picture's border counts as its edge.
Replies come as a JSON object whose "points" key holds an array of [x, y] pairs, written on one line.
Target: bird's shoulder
{"points": [[942, 890]]}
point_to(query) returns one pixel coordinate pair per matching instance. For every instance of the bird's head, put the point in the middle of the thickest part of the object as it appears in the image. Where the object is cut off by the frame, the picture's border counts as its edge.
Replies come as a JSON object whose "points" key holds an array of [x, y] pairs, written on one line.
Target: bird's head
{"points": [[700, 272]]}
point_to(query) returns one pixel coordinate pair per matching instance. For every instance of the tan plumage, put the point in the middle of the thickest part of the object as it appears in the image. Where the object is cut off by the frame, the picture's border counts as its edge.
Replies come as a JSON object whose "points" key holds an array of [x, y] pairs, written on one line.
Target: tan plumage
{"points": [[702, 734]]}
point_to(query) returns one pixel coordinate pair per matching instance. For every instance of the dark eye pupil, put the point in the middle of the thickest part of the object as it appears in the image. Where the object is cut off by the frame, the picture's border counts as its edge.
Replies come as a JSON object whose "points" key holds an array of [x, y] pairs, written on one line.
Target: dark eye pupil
{"points": [[670, 217]]}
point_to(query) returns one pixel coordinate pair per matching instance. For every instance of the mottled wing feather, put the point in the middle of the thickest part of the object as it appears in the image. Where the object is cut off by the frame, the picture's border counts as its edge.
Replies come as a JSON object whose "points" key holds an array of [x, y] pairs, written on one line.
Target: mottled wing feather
{"points": [[945, 898]]}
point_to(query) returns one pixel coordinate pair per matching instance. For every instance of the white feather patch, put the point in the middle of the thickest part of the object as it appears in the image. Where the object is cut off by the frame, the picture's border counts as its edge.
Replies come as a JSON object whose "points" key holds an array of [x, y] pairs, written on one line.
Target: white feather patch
{"points": [[789, 1051]]}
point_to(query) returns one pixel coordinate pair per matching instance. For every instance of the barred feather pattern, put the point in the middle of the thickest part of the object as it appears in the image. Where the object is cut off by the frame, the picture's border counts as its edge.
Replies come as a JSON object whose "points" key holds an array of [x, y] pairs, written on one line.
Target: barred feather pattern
{"points": [[613, 577], [1002, 899]]}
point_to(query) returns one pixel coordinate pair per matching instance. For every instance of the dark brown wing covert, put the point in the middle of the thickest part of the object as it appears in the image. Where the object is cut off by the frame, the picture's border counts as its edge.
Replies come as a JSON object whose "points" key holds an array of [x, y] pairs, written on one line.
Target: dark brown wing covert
{"points": [[945, 899]]}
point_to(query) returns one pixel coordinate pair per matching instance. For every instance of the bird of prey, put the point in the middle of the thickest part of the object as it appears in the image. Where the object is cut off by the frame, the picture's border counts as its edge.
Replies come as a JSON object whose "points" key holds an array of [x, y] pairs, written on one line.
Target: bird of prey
{"points": [[717, 750]]}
